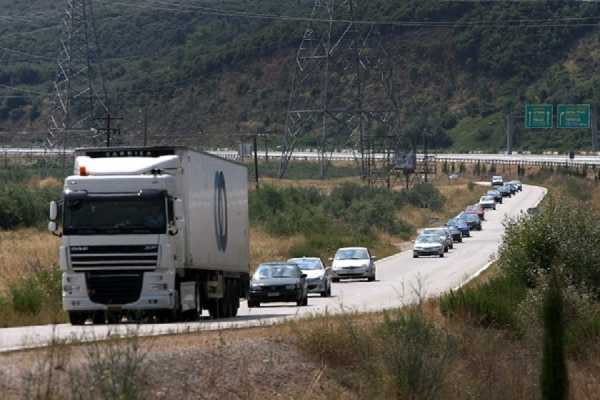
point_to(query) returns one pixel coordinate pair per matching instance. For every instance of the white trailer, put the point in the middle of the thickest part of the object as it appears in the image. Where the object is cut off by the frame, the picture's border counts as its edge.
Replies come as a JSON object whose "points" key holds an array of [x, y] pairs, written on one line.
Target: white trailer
{"points": [[152, 232]]}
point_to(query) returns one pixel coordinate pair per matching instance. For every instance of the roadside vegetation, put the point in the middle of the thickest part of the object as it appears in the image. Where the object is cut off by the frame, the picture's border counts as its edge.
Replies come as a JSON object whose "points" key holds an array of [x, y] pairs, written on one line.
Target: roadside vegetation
{"points": [[530, 329]]}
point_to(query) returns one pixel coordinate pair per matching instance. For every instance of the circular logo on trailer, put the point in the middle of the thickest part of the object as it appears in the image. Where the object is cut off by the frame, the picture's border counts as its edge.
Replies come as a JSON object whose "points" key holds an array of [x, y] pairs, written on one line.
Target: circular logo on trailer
{"points": [[220, 211]]}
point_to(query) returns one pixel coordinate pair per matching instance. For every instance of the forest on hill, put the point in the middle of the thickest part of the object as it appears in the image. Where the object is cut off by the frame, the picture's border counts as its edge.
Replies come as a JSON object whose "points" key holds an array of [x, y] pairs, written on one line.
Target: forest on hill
{"points": [[203, 71]]}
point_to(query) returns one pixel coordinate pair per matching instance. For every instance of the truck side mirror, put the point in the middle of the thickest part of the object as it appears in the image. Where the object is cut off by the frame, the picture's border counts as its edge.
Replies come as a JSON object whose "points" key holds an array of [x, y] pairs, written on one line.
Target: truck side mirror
{"points": [[53, 212]]}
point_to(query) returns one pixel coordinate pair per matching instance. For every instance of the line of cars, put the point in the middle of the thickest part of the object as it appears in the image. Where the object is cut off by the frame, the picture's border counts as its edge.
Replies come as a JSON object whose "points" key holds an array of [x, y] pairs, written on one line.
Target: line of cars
{"points": [[439, 240], [294, 279]]}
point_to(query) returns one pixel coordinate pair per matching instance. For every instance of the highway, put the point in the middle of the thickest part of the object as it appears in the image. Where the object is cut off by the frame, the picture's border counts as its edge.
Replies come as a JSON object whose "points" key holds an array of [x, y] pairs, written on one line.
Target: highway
{"points": [[399, 279], [349, 155]]}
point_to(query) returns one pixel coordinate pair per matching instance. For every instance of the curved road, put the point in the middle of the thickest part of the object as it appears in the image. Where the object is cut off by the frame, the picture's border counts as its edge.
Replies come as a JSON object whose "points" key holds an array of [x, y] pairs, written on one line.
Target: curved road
{"points": [[399, 279]]}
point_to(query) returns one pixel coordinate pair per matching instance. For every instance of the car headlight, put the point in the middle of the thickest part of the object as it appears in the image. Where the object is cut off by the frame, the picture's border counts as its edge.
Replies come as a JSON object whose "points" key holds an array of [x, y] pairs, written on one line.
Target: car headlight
{"points": [[291, 287], [256, 285]]}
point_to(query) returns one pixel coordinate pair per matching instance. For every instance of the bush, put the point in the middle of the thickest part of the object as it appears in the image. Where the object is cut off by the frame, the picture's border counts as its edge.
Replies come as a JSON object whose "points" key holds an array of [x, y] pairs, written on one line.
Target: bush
{"points": [[564, 233], [36, 291], [417, 355], [425, 195], [21, 206], [493, 303]]}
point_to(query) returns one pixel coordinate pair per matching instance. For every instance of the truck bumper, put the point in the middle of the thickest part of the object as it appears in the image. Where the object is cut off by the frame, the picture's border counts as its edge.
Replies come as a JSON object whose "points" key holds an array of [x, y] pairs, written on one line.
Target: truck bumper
{"points": [[156, 293]]}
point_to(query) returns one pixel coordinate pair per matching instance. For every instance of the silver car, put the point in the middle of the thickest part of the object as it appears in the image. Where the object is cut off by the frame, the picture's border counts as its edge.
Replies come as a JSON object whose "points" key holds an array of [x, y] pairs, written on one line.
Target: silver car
{"points": [[428, 245], [351, 263], [444, 233], [318, 278]]}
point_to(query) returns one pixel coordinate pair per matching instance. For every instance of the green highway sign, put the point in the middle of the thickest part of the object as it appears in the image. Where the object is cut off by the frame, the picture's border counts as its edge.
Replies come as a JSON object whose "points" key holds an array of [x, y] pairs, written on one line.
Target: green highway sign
{"points": [[538, 115], [573, 116]]}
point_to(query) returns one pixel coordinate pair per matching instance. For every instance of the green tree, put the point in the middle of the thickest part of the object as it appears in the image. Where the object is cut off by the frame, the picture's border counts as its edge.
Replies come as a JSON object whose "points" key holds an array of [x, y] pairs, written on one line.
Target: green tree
{"points": [[555, 377]]}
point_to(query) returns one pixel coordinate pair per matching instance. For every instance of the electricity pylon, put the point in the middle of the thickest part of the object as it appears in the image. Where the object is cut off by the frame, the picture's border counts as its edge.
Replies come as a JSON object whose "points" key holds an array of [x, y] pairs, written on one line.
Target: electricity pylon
{"points": [[79, 89], [340, 93]]}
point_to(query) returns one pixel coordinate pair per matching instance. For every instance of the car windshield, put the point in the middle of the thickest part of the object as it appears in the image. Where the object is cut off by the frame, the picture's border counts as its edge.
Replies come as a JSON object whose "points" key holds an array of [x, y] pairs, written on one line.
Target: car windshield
{"points": [[428, 239], [433, 231], [274, 271], [101, 215], [307, 263], [351, 254], [486, 198]]}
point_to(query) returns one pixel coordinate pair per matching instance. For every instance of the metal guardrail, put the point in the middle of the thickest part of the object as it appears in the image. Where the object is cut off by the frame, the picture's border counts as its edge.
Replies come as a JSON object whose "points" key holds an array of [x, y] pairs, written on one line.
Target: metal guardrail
{"points": [[513, 159]]}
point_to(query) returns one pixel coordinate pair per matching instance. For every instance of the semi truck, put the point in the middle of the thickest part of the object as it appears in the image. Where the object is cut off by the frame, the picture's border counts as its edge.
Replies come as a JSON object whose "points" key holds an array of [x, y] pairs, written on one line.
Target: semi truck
{"points": [[152, 232]]}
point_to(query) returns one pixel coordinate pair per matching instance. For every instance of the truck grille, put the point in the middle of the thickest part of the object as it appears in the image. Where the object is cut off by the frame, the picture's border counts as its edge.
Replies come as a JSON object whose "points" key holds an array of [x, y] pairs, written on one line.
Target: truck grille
{"points": [[87, 258], [114, 288]]}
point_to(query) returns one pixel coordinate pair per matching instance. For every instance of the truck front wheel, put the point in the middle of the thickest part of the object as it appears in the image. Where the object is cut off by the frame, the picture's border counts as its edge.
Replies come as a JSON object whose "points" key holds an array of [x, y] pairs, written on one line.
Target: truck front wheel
{"points": [[77, 317]]}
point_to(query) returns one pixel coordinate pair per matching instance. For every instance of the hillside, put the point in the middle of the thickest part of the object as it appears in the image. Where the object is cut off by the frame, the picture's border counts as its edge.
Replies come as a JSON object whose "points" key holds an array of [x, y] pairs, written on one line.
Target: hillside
{"points": [[201, 77]]}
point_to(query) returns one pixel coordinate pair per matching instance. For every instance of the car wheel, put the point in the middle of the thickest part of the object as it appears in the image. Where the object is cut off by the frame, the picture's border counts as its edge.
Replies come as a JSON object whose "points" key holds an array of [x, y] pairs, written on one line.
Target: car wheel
{"points": [[371, 278], [415, 255], [252, 303], [441, 255]]}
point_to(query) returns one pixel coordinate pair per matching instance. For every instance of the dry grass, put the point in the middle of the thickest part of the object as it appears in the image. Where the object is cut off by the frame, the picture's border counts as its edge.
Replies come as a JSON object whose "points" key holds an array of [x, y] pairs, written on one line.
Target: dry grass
{"points": [[24, 251], [264, 247]]}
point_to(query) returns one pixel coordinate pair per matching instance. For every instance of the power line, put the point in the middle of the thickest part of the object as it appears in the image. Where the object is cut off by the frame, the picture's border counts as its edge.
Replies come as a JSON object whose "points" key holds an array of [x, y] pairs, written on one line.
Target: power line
{"points": [[524, 23]]}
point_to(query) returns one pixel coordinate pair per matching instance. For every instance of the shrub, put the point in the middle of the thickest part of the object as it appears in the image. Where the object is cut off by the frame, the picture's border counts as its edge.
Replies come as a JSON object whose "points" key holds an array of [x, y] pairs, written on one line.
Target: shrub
{"points": [[33, 292], [493, 303], [425, 195], [417, 355], [21, 206], [564, 233]]}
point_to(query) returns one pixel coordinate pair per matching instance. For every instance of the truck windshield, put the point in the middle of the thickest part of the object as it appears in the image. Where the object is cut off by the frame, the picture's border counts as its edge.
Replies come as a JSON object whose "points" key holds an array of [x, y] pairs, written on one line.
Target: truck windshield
{"points": [[107, 215]]}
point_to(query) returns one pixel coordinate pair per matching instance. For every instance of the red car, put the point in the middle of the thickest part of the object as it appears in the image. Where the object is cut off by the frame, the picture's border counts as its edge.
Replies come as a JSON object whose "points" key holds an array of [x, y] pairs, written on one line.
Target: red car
{"points": [[476, 209]]}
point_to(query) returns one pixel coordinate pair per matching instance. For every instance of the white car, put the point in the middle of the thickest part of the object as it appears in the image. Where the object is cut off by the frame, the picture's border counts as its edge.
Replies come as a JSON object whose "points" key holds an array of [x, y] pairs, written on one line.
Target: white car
{"points": [[318, 278], [444, 234], [351, 263], [487, 202], [428, 245], [497, 180]]}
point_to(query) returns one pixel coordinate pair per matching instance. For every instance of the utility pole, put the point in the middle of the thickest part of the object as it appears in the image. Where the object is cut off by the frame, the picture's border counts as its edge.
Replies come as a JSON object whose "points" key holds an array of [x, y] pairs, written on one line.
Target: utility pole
{"points": [[595, 128], [145, 125], [425, 155], [509, 132], [255, 145], [108, 130]]}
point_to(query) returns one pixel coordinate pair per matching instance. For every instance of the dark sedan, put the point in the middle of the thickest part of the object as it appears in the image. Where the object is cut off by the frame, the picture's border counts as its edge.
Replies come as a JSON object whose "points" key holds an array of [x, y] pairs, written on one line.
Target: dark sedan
{"points": [[278, 282], [496, 195], [472, 220], [476, 209], [460, 225], [504, 191]]}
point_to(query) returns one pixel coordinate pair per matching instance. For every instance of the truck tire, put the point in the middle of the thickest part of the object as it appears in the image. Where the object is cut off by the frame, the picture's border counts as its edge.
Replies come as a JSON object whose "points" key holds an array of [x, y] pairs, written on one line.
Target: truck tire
{"points": [[114, 317], [77, 317], [98, 318]]}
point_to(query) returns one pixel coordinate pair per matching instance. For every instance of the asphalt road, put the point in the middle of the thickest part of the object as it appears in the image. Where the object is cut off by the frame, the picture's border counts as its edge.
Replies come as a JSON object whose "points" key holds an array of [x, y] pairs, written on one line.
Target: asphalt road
{"points": [[400, 280]]}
